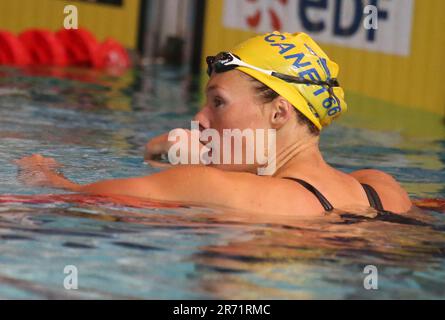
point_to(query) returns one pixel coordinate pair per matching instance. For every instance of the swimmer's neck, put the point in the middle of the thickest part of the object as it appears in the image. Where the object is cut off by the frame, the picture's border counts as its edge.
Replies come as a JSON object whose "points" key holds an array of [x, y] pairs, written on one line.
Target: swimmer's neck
{"points": [[300, 157]]}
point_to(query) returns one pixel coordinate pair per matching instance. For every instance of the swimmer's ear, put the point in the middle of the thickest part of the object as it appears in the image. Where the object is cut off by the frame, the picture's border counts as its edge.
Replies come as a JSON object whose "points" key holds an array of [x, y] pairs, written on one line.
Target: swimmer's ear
{"points": [[281, 112]]}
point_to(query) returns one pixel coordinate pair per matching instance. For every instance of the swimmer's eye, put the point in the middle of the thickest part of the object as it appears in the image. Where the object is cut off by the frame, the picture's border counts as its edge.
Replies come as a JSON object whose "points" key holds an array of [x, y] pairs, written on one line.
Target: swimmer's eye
{"points": [[218, 102]]}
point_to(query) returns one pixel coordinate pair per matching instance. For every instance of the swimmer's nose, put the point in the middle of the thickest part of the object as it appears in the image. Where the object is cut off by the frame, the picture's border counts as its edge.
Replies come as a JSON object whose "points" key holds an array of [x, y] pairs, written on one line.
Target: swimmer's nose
{"points": [[203, 119]]}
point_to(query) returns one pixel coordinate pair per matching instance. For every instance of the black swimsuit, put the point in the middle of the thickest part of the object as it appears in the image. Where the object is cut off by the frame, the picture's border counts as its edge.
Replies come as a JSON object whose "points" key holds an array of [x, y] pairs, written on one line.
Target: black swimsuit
{"points": [[373, 197]]}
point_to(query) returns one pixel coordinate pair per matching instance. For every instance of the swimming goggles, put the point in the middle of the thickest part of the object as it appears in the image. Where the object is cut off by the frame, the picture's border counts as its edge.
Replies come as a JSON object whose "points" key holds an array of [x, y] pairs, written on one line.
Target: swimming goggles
{"points": [[226, 61]]}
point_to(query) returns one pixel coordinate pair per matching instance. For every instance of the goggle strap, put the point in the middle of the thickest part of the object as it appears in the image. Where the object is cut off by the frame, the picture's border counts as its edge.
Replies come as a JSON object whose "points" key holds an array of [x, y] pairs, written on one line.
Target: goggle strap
{"points": [[330, 83], [240, 63]]}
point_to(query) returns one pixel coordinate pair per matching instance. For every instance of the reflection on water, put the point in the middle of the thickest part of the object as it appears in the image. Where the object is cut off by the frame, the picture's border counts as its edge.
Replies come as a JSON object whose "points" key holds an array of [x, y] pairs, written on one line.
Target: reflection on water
{"points": [[185, 252], [148, 250]]}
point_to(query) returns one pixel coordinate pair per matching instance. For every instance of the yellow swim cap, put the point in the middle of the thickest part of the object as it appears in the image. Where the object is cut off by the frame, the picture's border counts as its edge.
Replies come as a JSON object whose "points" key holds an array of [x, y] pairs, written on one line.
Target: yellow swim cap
{"points": [[296, 55]]}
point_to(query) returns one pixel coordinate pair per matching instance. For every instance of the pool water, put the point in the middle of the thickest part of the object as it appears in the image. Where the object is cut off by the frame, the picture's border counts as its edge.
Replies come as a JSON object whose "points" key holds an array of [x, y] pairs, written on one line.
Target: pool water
{"points": [[97, 125]]}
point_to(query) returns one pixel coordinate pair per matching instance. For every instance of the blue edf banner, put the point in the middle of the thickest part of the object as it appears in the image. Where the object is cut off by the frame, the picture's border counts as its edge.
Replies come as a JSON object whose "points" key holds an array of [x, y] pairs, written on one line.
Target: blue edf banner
{"points": [[374, 25]]}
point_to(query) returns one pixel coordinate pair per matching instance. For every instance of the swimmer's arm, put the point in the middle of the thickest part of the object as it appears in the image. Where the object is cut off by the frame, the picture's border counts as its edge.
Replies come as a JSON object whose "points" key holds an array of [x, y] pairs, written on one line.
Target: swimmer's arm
{"points": [[57, 180], [180, 184], [201, 185], [394, 198], [188, 184], [160, 145], [156, 147], [37, 170]]}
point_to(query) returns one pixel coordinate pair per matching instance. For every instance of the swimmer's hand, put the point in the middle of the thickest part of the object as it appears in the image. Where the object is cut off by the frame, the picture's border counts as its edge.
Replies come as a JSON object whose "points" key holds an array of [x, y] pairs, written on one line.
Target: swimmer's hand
{"points": [[157, 148], [40, 171]]}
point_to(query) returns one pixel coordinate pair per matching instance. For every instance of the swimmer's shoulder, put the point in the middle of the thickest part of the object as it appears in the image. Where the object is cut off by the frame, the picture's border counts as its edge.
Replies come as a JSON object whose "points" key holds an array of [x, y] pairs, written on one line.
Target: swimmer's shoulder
{"points": [[394, 198], [241, 190], [271, 195]]}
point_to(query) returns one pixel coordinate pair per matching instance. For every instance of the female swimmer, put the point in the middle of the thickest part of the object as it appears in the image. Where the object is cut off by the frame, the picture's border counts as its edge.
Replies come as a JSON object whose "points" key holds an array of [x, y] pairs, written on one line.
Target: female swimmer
{"points": [[277, 81]]}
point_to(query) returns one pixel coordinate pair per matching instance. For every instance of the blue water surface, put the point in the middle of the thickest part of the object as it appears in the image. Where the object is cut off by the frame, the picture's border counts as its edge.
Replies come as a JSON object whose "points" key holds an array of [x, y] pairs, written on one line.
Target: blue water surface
{"points": [[97, 125]]}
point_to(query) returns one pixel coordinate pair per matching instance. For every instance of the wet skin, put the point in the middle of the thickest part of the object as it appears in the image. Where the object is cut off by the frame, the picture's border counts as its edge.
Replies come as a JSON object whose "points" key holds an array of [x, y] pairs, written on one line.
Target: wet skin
{"points": [[231, 103]]}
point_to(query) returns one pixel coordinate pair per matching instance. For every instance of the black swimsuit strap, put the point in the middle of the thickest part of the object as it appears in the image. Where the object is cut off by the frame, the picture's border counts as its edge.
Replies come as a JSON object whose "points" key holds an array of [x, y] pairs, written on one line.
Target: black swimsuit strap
{"points": [[373, 198], [324, 202]]}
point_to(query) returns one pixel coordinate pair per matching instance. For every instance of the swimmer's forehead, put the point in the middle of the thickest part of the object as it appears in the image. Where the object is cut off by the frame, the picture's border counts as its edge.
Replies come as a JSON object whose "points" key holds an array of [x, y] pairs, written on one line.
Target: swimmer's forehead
{"points": [[233, 79], [214, 87], [226, 85]]}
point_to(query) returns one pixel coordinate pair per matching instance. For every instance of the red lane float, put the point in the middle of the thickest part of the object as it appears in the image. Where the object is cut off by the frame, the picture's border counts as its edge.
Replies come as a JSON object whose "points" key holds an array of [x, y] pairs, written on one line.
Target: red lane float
{"points": [[12, 50], [437, 205], [73, 47], [80, 46], [44, 47], [111, 54]]}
